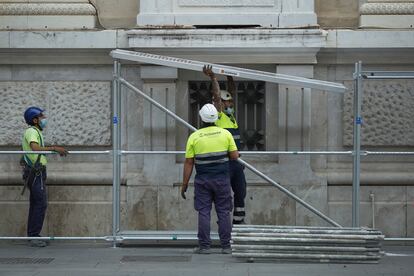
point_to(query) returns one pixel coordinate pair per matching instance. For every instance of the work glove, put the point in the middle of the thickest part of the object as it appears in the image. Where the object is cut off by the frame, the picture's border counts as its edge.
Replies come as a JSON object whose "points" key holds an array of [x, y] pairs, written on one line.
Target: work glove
{"points": [[183, 190]]}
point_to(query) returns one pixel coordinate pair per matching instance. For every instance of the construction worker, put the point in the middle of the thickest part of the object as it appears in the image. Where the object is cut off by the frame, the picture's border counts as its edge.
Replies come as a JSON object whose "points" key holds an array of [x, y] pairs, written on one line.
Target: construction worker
{"points": [[34, 171], [223, 101], [210, 149]]}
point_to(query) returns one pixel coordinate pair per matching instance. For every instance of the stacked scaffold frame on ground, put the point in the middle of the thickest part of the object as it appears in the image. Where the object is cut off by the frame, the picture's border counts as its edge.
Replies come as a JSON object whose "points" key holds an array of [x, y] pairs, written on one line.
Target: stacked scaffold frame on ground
{"points": [[306, 244]]}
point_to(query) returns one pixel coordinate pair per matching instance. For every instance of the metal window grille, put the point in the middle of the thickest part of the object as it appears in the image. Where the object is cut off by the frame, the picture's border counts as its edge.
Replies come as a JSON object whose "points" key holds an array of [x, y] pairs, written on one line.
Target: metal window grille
{"points": [[249, 109]]}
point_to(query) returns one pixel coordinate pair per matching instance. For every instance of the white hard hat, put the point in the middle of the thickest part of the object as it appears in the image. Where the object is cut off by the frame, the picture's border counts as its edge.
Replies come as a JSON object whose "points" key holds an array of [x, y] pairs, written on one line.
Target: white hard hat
{"points": [[225, 95], [208, 113]]}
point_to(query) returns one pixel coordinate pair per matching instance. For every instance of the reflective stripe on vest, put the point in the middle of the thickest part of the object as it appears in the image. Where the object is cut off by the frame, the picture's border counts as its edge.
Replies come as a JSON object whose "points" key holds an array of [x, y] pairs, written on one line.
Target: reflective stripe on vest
{"points": [[211, 157]]}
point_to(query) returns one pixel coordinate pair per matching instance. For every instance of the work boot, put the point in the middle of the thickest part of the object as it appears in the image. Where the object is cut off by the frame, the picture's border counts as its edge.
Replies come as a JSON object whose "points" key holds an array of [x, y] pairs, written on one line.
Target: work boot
{"points": [[199, 250], [37, 243], [226, 250]]}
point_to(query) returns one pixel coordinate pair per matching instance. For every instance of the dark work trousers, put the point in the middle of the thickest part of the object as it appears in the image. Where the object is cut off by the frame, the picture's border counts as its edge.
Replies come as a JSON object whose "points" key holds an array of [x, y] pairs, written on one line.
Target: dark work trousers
{"points": [[209, 189], [38, 204], [238, 185]]}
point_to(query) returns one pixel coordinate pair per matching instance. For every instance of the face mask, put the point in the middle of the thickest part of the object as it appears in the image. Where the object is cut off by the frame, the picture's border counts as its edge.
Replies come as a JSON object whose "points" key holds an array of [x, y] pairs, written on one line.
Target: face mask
{"points": [[229, 110], [43, 123]]}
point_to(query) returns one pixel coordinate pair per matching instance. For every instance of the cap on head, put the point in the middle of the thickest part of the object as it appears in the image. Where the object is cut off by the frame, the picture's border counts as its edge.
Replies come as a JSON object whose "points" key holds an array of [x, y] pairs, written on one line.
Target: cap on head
{"points": [[31, 113], [208, 113], [225, 95]]}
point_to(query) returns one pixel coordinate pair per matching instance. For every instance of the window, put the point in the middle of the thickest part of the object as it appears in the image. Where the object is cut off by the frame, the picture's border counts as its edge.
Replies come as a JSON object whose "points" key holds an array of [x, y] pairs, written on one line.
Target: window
{"points": [[249, 109]]}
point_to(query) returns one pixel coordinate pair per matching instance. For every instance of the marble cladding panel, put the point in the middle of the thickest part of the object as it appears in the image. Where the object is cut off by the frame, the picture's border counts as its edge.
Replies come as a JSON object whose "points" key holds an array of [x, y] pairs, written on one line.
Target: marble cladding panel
{"points": [[176, 213], [267, 205], [141, 210], [227, 3], [341, 212], [316, 196], [390, 208], [80, 219], [78, 111], [13, 220], [387, 112]]}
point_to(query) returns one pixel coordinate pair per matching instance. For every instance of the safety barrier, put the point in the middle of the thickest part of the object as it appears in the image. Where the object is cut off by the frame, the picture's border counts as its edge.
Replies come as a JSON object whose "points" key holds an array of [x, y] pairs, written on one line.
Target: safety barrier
{"points": [[174, 235]]}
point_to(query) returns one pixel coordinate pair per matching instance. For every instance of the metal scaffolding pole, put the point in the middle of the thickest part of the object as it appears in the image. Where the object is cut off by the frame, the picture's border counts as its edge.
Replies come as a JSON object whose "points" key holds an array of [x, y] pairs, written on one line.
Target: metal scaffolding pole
{"points": [[356, 165], [115, 151], [248, 152], [277, 185], [228, 70], [118, 153], [388, 74], [54, 152]]}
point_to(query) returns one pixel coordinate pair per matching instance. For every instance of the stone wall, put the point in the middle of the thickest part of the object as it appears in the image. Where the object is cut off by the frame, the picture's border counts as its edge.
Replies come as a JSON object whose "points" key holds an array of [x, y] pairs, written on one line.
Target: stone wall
{"points": [[337, 13], [46, 14], [78, 112], [387, 113]]}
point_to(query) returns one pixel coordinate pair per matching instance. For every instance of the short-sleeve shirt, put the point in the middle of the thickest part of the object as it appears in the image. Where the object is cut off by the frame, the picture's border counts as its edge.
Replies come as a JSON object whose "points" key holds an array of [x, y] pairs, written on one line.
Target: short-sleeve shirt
{"points": [[33, 135], [210, 147]]}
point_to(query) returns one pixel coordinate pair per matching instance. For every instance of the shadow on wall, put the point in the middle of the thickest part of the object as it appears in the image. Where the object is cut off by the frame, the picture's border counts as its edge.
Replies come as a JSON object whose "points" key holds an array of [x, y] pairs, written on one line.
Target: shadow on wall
{"points": [[117, 14]]}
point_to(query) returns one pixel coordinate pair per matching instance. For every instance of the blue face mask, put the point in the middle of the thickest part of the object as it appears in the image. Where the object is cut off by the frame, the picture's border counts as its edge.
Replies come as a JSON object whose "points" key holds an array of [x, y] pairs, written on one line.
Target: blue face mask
{"points": [[43, 123], [229, 110]]}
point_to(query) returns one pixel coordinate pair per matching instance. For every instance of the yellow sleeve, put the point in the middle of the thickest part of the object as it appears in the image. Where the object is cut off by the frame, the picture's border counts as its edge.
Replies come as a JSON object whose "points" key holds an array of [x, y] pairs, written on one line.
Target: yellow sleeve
{"points": [[31, 135], [189, 150], [232, 144]]}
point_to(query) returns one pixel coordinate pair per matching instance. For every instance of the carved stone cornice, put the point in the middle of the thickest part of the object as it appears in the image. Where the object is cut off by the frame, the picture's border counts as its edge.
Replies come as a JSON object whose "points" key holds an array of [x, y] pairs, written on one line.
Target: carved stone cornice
{"points": [[47, 9], [391, 8]]}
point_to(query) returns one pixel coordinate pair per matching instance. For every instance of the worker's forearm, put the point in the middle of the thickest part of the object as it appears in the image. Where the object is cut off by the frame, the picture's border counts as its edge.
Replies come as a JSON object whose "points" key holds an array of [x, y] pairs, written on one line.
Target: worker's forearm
{"points": [[216, 93], [36, 147], [188, 170]]}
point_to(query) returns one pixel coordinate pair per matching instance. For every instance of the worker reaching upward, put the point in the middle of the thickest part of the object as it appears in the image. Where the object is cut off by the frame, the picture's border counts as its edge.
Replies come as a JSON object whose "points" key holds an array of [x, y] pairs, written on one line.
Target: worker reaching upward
{"points": [[223, 101]]}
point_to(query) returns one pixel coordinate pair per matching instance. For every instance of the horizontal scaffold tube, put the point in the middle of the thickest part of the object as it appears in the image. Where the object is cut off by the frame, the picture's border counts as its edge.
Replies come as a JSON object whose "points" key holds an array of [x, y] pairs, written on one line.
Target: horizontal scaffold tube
{"points": [[300, 248], [304, 256]]}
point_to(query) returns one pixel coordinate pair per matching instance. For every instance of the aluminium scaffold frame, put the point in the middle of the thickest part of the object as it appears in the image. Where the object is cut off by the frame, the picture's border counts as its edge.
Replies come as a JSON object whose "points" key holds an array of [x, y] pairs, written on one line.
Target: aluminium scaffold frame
{"points": [[358, 77], [117, 152]]}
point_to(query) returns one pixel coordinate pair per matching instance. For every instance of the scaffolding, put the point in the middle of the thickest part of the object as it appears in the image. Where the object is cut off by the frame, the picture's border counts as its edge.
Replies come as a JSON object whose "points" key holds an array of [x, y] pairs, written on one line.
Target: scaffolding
{"points": [[117, 151]]}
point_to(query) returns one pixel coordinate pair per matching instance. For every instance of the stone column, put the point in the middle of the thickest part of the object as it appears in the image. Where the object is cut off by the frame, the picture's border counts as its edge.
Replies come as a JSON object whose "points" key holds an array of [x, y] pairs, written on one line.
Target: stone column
{"points": [[387, 14], [47, 14], [296, 173], [294, 106], [150, 194]]}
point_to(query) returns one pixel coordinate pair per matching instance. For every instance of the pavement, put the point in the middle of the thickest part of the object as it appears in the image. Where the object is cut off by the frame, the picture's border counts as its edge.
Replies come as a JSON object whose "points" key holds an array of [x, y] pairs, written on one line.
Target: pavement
{"points": [[100, 258]]}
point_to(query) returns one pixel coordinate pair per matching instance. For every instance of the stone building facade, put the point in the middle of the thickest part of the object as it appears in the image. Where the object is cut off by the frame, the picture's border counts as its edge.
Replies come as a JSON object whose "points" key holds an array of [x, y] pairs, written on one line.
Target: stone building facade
{"points": [[56, 54]]}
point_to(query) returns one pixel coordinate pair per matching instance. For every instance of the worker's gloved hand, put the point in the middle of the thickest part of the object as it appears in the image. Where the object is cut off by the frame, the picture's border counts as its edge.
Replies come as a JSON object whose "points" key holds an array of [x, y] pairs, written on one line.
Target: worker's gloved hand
{"points": [[208, 71], [183, 190]]}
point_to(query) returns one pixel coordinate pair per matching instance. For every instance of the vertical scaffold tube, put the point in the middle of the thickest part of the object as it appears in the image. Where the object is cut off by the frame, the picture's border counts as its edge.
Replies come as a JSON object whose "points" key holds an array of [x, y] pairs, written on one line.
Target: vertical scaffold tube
{"points": [[119, 146], [356, 165], [115, 149]]}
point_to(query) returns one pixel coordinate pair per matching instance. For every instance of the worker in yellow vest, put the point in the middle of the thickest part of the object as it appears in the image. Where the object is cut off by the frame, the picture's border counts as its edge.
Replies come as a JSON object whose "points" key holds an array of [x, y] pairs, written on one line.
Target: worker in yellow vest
{"points": [[223, 101], [210, 149], [34, 171]]}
